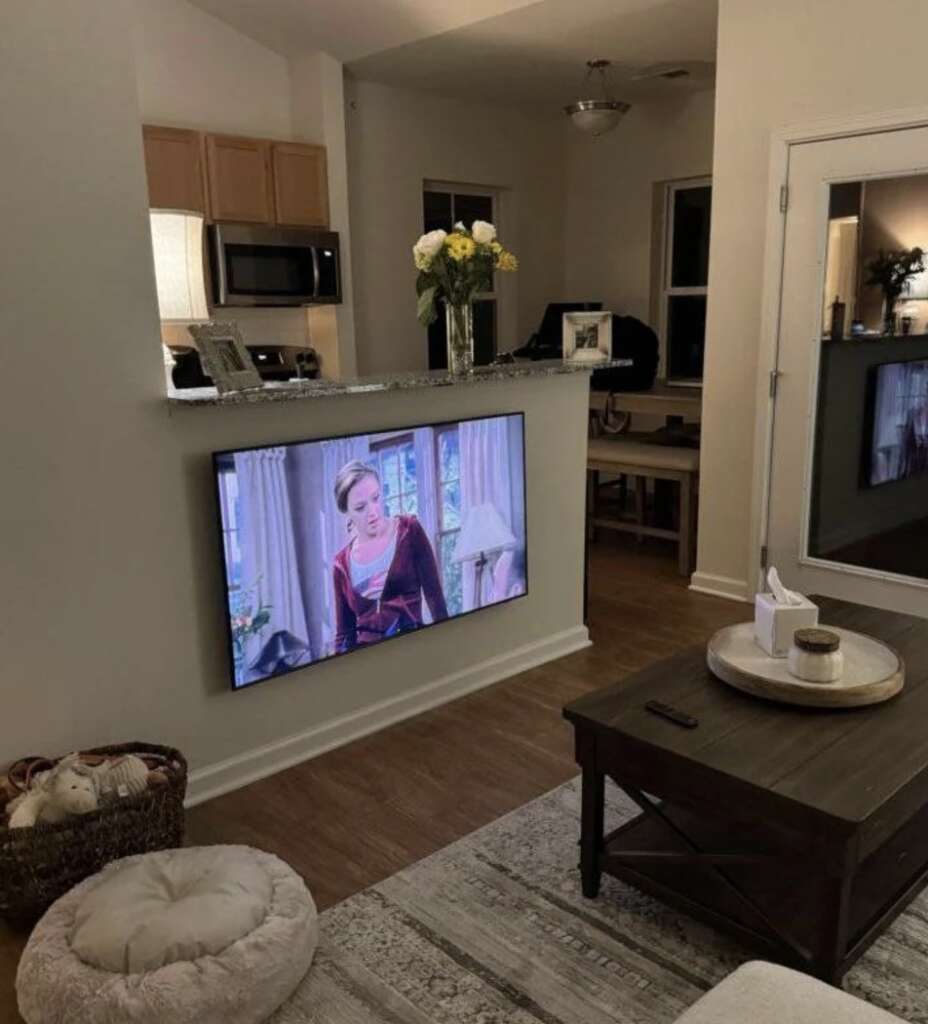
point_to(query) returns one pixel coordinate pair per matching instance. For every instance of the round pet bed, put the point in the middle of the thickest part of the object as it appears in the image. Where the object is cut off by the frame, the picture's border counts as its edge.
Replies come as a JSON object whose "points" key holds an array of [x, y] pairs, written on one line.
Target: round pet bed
{"points": [[206, 935]]}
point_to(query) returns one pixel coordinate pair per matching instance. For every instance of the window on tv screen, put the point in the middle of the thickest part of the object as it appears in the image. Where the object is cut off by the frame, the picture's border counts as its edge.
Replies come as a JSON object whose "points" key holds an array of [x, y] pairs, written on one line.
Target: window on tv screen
{"points": [[333, 545]]}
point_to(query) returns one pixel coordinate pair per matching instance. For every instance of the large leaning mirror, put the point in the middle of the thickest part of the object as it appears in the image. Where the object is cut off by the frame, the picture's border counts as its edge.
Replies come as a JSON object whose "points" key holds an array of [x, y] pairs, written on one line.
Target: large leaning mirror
{"points": [[869, 485]]}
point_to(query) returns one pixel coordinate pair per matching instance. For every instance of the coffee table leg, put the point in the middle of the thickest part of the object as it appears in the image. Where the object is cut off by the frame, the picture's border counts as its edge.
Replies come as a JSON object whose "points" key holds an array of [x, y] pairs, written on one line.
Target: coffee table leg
{"points": [[591, 829], [836, 922]]}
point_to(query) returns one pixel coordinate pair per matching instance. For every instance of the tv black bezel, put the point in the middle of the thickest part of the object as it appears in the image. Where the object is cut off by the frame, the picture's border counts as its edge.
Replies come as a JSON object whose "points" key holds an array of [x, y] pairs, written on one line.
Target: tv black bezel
{"points": [[217, 455], [870, 425]]}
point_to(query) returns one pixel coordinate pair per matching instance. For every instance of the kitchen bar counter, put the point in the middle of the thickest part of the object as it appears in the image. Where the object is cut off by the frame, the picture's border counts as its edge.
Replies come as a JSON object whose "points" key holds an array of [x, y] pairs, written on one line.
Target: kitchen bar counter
{"points": [[298, 390]]}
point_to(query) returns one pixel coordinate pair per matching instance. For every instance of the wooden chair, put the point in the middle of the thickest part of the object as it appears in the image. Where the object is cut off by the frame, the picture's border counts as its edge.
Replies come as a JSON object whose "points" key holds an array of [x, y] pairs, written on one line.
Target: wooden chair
{"points": [[621, 456]]}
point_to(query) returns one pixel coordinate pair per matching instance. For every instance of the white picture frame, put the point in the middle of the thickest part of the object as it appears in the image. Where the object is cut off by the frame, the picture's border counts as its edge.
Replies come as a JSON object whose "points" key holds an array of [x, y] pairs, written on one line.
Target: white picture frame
{"points": [[224, 357], [587, 338]]}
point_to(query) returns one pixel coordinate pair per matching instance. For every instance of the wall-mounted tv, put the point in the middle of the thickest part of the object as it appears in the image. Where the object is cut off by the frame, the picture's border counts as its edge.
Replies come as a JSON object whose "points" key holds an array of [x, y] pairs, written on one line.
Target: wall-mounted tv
{"points": [[332, 545], [899, 439]]}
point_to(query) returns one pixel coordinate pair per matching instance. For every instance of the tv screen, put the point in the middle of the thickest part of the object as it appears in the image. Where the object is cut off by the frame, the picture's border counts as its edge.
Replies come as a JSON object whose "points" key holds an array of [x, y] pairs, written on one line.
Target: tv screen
{"points": [[337, 544], [899, 444]]}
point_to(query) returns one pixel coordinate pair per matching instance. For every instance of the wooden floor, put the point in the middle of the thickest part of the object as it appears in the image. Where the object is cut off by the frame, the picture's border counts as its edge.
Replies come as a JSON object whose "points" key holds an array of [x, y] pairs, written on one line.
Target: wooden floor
{"points": [[358, 814]]}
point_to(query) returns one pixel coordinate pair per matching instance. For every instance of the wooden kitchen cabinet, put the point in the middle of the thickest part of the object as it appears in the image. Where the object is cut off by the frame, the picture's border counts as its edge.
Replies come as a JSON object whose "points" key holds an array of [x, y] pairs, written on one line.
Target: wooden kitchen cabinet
{"points": [[239, 175], [174, 165], [237, 179], [301, 190]]}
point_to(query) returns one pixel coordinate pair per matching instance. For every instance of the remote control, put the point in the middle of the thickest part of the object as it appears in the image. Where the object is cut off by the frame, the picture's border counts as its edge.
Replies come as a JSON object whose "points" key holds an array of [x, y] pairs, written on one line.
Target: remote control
{"points": [[666, 711]]}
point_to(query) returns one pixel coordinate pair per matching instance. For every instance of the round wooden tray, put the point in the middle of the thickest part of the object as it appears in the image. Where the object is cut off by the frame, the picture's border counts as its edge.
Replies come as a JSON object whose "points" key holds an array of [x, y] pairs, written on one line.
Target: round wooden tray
{"points": [[873, 672]]}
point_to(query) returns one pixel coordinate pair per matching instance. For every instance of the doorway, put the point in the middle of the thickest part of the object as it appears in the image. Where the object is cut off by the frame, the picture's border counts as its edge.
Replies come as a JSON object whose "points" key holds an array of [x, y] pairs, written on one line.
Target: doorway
{"points": [[847, 500]]}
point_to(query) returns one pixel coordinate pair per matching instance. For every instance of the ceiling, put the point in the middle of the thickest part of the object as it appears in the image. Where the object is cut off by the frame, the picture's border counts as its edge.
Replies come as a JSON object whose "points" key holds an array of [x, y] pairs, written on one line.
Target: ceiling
{"points": [[505, 50], [538, 53], [349, 29]]}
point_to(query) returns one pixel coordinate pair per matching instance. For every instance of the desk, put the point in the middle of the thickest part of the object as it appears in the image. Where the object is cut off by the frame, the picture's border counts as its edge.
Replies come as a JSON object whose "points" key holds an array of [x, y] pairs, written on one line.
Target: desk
{"points": [[659, 400]]}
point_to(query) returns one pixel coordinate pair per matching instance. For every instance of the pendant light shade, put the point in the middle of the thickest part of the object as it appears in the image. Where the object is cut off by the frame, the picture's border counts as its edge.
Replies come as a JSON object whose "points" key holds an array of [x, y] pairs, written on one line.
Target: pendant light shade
{"points": [[597, 116], [177, 244]]}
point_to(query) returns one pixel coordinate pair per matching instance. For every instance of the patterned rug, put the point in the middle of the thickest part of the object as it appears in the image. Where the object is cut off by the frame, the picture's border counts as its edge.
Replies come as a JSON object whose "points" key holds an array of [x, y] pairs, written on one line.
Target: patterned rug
{"points": [[494, 930]]}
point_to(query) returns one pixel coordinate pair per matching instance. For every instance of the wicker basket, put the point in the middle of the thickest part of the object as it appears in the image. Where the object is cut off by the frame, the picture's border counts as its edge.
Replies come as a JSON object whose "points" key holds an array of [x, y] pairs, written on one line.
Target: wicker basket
{"points": [[39, 864]]}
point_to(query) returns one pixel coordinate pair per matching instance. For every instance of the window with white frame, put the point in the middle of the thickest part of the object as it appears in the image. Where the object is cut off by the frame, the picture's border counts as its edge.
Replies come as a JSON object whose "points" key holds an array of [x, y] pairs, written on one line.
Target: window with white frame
{"points": [[443, 205], [685, 278], [395, 460]]}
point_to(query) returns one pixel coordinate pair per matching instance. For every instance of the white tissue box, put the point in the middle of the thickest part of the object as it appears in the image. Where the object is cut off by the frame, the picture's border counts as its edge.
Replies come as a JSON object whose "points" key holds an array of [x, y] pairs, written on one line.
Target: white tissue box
{"points": [[774, 624]]}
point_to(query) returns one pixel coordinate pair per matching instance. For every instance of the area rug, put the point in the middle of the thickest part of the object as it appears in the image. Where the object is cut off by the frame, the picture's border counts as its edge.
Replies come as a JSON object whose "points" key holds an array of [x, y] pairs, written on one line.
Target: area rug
{"points": [[494, 930]]}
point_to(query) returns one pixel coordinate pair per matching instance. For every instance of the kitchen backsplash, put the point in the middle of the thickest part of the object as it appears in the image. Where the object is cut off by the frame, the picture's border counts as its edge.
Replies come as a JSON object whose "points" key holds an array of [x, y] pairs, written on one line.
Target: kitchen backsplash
{"points": [[258, 327]]}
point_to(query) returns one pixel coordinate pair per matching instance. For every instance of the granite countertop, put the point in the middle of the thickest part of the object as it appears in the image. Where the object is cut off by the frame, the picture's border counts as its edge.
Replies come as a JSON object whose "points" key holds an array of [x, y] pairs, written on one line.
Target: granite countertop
{"points": [[295, 390]]}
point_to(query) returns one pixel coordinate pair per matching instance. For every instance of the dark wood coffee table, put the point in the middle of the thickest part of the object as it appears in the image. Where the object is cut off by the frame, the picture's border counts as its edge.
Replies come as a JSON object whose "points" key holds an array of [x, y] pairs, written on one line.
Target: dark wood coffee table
{"points": [[803, 831]]}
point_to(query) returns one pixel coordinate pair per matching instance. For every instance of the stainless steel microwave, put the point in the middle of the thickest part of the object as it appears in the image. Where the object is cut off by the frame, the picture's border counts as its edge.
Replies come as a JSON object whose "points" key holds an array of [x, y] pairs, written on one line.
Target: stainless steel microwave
{"points": [[264, 266]]}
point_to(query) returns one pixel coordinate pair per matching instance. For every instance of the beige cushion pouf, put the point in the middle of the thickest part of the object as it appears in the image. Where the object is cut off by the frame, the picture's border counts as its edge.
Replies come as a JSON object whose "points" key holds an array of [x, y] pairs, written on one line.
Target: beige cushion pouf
{"points": [[762, 993], [207, 935]]}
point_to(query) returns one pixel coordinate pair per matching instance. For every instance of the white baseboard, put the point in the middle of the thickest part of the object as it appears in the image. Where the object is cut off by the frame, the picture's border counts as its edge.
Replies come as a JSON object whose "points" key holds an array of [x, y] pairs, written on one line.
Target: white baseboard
{"points": [[232, 773], [720, 586]]}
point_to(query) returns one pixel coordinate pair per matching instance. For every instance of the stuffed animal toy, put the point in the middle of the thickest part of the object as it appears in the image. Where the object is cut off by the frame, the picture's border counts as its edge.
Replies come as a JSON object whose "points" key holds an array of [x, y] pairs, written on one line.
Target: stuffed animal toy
{"points": [[126, 776], [68, 788]]}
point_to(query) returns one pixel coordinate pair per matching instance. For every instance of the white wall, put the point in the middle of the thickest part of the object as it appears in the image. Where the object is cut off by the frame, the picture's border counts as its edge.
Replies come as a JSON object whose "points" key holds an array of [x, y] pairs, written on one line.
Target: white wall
{"points": [[396, 140], [111, 613], [317, 94], [783, 63], [609, 190], [193, 71]]}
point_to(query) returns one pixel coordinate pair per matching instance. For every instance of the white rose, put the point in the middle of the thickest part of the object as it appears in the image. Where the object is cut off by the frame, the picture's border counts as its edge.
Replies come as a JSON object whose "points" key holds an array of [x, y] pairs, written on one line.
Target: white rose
{"points": [[483, 232], [429, 245]]}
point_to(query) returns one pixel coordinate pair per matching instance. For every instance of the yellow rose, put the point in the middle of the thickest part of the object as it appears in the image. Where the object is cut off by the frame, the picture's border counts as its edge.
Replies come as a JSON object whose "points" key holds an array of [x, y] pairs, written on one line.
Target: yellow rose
{"points": [[506, 261], [422, 261], [460, 247], [496, 247]]}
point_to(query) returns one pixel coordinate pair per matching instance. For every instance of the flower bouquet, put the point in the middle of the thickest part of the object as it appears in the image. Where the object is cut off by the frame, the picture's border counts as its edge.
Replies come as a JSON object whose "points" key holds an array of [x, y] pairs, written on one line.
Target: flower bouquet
{"points": [[893, 271], [455, 267]]}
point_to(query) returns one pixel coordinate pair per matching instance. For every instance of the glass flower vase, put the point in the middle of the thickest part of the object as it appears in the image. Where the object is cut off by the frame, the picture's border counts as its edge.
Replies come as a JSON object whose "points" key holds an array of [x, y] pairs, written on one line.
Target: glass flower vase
{"points": [[459, 321], [889, 316]]}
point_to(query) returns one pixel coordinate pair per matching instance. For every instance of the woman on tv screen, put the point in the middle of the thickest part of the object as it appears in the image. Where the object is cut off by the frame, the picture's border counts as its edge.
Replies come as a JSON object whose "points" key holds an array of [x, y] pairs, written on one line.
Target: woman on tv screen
{"points": [[381, 575], [332, 545]]}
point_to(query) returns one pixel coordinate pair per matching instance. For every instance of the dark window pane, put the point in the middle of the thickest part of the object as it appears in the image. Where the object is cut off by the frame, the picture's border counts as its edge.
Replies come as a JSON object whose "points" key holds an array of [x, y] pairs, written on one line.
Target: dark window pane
{"points": [[436, 208], [484, 332], [686, 336], [484, 336], [438, 343], [471, 208], [692, 211]]}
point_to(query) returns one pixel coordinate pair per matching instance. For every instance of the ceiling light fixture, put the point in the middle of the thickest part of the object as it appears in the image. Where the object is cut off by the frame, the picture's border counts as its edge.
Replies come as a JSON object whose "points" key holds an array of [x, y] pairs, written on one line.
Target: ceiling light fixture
{"points": [[596, 117]]}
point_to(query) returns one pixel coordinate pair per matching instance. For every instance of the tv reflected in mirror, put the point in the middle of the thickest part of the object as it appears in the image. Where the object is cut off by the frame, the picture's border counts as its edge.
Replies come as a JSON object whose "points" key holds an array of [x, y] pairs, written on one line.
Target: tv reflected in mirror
{"points": [[333, 545], [899, 442]]}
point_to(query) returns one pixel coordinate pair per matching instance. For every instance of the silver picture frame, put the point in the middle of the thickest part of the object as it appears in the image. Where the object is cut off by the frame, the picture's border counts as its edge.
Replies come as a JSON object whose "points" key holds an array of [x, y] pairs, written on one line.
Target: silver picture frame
{"points": [[587, 338], [224, 357]]}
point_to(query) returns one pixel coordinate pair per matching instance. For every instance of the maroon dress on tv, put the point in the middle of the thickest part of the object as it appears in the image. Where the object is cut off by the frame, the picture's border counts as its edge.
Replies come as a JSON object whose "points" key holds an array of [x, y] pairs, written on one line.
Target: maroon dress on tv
{"points": [[413, 573]]}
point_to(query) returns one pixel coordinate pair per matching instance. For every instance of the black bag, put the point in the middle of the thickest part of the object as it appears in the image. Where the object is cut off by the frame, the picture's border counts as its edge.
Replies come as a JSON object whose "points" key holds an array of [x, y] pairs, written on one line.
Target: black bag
{"points": [[631, 339]]}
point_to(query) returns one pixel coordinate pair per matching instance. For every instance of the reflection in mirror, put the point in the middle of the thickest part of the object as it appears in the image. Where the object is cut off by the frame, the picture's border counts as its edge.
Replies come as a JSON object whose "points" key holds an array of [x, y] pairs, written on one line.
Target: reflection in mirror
{"points": [[869, 486]]}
